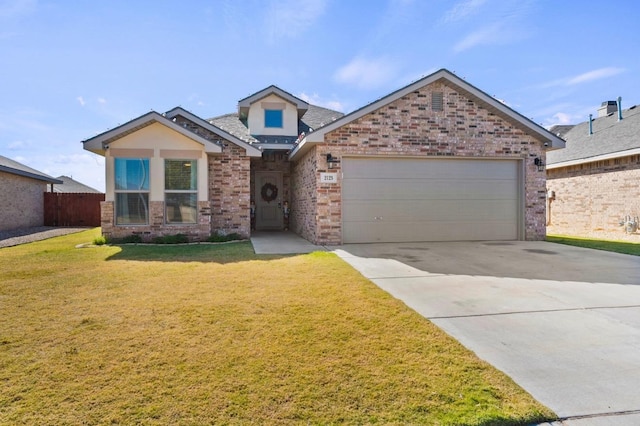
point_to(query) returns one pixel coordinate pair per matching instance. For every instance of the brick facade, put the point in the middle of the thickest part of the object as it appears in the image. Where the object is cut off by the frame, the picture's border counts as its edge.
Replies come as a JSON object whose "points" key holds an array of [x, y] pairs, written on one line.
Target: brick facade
{"points": [[591, 198], [410, 127], [22, 203], [156, 227]]}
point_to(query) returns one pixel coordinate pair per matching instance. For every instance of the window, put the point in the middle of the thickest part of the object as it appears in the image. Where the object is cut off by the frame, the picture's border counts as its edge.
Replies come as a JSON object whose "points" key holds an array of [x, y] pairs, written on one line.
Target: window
{"points": [[132, 191], [181, 191], [272, 118]]}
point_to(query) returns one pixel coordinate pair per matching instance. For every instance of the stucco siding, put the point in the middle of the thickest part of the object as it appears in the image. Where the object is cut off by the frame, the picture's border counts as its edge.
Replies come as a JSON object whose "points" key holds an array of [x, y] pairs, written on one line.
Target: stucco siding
{"points": [[22, 203]]}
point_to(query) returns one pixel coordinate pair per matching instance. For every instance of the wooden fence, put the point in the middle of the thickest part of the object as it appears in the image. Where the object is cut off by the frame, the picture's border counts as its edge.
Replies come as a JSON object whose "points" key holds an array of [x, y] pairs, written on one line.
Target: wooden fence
{"points": [[72, 209]]}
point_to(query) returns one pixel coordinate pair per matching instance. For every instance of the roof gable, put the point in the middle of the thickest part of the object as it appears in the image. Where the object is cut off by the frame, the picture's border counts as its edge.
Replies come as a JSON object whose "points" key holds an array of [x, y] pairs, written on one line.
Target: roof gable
{"points": [[610, 139], [98, 143], [8, 165], [465, 88], [250, 150], [245, 104]]}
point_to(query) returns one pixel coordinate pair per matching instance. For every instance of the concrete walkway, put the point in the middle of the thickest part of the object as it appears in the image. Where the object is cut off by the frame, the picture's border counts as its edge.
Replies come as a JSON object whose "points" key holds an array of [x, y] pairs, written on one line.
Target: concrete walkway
{"points": [[573, 345], [281, 242], [28, 235]]}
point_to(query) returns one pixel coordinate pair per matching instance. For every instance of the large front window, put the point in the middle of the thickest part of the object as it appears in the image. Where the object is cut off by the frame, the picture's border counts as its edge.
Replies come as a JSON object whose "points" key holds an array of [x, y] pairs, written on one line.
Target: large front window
{"points": [[181, 191], [132, 191]]}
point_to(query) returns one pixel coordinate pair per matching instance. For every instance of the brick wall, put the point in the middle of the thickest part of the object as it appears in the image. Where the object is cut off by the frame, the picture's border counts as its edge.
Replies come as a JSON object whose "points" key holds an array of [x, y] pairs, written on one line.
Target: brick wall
{"points": [[593, 197], [156, 227], [409, 127], [304, 195], [22, 203], [230, 191]]}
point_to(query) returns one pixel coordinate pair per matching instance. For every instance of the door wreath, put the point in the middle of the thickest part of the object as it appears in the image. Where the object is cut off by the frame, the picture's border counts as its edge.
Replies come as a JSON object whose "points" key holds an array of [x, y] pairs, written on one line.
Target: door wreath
{"points": [[269, 192]]}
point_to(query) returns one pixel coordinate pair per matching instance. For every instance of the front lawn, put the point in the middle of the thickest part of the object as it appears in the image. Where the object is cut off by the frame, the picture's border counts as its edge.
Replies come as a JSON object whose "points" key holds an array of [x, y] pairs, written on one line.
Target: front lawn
{"points": [[213, 334], [624, 247]]}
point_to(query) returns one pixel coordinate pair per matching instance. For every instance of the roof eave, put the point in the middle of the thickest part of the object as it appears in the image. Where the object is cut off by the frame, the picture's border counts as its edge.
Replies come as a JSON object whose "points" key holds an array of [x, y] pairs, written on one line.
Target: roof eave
{"points": [[98, 143], [552, 141], [23, 173], [601, 157]]}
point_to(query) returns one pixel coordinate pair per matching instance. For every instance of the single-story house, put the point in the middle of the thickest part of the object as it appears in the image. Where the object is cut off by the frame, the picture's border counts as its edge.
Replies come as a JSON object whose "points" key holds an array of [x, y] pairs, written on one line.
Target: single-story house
{"points": [[438, 160], [22, 193], [594, 183], [72, 186]]}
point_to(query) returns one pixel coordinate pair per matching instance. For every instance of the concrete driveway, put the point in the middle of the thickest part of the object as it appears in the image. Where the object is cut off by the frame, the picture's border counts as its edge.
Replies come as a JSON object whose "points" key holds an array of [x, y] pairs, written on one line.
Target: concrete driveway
{"points": [[563, 322]]}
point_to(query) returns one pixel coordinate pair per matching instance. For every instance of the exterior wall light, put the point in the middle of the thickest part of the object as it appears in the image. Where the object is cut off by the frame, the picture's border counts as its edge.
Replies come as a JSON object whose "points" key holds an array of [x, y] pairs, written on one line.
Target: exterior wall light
{"points": [[332, 161], [539, 163]]}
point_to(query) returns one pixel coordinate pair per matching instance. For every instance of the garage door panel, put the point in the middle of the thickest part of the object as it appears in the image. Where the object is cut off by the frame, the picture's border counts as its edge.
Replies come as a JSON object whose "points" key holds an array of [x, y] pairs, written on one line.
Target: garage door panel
{"points": [[395, 200], [436, 189], [367, 232], [429, 211], [384, 168]]}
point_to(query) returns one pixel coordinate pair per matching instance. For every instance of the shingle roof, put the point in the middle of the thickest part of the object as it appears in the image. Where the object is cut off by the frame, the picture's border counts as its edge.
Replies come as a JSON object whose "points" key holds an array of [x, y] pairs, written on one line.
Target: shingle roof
{"points": [[314, 118], [10, 166], [610, 137], [69, 185]]}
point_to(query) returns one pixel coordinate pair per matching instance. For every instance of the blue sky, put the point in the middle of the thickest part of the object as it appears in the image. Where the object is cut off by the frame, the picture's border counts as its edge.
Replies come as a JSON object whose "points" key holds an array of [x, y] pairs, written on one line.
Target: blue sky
{"points": [[72, 69]]}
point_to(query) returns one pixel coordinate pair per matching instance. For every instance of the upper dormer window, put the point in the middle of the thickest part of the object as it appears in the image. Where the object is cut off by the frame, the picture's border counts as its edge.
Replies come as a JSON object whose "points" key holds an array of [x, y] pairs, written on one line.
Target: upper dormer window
{"points": [[273, 118]]}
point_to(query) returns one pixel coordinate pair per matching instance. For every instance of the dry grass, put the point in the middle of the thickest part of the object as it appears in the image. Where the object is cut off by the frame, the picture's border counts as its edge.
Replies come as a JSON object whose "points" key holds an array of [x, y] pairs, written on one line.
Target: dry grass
{"points": [[190, 335]]}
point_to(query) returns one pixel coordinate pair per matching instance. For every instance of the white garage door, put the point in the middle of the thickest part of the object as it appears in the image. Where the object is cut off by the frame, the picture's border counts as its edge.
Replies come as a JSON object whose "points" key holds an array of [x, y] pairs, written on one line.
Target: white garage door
{"points": [[404, 200]]}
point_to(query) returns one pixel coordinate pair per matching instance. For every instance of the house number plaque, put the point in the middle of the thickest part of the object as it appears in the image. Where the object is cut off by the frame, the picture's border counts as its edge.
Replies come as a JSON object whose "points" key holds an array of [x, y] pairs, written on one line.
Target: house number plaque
{"points": [[328, 178]]}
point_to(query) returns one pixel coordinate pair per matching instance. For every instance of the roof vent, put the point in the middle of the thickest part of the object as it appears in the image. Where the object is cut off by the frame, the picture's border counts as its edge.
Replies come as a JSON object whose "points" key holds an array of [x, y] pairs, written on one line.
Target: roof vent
{"points": [[607, 107]]}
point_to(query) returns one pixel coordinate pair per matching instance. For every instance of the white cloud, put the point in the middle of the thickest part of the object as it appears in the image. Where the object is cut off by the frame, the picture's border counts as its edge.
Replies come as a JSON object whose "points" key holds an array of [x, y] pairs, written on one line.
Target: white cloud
{"points": [[81, 101], [492, 34], [290, 18], [18, 145], [102, 101], [595, 75], [462, 10], [315, 99], [366, 73]]}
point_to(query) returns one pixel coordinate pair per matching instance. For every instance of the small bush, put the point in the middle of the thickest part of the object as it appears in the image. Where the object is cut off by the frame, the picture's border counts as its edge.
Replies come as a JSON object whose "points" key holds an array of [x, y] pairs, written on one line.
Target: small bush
{"points": [[221, 238], [171, 239], [99, 241]]}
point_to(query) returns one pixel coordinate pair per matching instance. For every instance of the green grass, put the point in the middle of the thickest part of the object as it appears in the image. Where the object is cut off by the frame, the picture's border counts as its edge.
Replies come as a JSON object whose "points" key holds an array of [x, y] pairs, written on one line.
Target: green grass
{"points": [[624, 247], [213, 334]]}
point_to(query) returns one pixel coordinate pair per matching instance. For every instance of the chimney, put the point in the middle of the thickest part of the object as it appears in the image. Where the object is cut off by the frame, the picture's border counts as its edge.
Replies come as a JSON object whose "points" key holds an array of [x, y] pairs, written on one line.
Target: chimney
{"points": [[607, 108], [590, 124]]}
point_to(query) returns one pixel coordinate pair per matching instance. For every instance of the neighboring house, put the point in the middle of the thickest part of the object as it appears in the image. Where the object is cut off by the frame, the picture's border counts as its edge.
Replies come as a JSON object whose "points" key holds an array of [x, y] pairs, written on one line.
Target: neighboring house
{"points": [[438, 160], [22, 193], [595, 181], [69, 185]]}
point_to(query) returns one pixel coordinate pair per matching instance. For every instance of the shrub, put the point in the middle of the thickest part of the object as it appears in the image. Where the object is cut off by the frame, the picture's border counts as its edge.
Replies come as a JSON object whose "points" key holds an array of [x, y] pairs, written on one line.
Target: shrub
{"points": [[171, 239], [101, 240], [221, 238]]}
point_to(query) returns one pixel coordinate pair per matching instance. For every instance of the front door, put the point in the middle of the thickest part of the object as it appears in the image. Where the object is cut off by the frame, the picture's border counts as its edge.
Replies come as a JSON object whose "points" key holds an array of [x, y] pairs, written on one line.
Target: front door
{"points": [[268, 198]]}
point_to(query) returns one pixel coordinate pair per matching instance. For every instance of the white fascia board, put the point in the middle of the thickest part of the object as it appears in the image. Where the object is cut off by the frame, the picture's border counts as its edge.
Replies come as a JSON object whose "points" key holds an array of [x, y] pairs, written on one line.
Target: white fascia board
{"points": [[98, 143], [602, 157], [250, 150]]}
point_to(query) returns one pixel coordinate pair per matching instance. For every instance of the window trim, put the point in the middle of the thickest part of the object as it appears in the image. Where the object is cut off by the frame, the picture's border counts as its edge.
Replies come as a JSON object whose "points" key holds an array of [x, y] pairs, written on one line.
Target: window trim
{"points": [[117, 191], [193, 191]]}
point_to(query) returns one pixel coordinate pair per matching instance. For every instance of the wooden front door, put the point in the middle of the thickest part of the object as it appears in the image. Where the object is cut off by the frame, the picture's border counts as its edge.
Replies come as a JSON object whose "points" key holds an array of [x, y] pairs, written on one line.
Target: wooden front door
{"points": [[268, 198]]}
